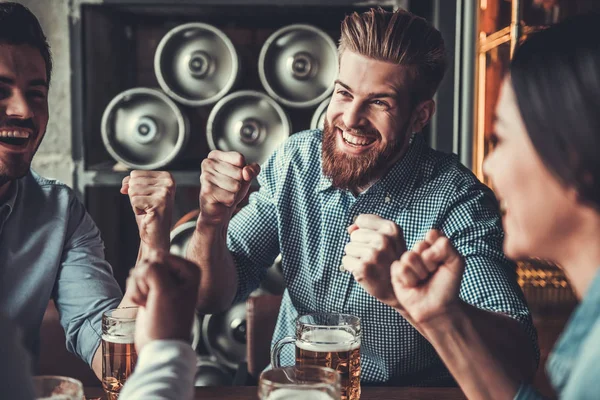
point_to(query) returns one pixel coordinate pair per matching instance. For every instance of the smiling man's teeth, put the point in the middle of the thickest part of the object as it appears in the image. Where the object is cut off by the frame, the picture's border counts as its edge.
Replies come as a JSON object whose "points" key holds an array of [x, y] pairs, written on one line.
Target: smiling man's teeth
{"points": [[355, 139], [14, 134]]}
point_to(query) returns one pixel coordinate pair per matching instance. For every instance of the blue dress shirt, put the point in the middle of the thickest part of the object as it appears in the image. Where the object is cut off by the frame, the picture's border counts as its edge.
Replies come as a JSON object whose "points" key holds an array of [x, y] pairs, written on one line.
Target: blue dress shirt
{"points": [[51, 248]]}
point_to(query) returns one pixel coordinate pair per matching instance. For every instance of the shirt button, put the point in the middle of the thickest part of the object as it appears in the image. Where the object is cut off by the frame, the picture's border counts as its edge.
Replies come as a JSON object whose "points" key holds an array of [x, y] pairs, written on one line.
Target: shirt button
{"points": [[387, 198]]}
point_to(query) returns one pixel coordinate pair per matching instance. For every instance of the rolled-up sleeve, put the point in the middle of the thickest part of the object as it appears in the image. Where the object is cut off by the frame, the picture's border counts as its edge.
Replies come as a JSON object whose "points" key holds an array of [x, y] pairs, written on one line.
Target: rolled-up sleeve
{"points": [[253, 234], [85, 286], [489, 282]]}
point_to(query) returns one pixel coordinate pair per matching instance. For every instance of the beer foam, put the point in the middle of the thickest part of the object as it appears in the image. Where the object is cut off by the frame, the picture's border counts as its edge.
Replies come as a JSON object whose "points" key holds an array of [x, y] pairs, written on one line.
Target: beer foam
{"points": [[118, 339], [298, 394], [328, 340]]}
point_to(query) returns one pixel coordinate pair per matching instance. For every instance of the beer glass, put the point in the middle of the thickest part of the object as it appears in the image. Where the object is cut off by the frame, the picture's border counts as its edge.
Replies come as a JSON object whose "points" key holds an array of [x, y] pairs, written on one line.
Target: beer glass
{"points": [[298, 383], [50, 387], [328, 340], [118, 349]]}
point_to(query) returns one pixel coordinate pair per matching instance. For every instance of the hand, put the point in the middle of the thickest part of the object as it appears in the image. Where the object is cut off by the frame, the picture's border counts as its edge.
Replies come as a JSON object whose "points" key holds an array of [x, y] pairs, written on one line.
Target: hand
{"points": [[165, 287], [151, 194], [375, 243], [426, 280], [224, 182]]}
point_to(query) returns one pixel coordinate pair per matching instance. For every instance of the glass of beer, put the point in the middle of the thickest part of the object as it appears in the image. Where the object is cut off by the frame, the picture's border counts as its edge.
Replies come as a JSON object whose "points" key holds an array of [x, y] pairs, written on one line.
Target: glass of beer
{"points": [[298, 383], [50, 387], [118, 349], [329, 340]]}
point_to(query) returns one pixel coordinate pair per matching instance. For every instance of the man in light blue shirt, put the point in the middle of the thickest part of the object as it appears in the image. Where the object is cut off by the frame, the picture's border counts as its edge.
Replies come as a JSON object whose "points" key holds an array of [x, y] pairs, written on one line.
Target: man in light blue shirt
{"points": [[49, 245], [165, 368]]}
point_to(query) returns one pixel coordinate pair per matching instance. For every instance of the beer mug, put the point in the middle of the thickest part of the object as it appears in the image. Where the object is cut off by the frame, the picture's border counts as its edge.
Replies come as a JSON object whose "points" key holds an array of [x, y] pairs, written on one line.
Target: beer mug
{"points": [[118, 349], [51, 387], [298, 383], [328, 340]]}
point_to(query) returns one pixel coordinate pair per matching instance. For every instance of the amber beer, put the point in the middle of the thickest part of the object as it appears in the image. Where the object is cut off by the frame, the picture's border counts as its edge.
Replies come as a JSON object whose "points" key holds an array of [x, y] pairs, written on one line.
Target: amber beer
{"points": [[336, 349], [117, 366], [118, 349]]}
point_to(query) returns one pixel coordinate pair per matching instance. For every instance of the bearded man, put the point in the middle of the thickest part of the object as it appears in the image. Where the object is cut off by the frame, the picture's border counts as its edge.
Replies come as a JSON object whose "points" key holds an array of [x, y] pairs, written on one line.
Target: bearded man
{"points": [[353, 198]]}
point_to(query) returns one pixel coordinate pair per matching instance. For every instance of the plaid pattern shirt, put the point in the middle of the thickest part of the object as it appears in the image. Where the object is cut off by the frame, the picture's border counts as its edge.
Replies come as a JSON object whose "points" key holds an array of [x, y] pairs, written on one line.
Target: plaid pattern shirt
{"points": [[298, 213]]}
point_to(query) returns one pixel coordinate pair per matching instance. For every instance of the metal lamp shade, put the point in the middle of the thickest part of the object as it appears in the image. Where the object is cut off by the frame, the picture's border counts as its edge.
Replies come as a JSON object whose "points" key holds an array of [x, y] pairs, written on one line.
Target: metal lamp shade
{"points": [[196, 64], [318, 119], [144, 129], [210, 373], [298, 65], [224, 335], [180, 237], [248, 122]]}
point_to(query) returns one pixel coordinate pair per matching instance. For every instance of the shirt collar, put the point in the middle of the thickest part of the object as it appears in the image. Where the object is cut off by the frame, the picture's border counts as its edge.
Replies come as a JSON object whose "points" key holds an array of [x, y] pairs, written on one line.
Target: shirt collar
{"points": [[399, 178], [9, 204]]}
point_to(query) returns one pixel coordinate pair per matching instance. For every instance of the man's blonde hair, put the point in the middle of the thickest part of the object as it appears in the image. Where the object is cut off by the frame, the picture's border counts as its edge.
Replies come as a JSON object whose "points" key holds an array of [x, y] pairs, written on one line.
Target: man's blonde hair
{"points": [[401, 38]]}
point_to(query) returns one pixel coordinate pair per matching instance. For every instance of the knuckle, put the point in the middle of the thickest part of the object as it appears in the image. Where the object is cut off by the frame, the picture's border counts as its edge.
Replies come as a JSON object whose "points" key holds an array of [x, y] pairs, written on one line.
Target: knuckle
{"points": [[395, 268], [391, 228], [164, 192], [238, 158], [407, 258], [444, 243], [229, 200], [207, 163], [383, 242], [371, 254], [204, 179], [237, 186]]}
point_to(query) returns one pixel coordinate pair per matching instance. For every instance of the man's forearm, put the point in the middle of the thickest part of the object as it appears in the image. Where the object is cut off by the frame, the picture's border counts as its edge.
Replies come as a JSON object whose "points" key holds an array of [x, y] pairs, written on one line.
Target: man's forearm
{"points": [[489, 354], [218, 275]]}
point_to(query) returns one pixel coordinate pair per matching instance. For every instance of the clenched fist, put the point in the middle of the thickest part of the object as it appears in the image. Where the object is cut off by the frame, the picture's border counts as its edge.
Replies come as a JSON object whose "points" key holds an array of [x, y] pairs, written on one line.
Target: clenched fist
{"points": [[151, 194], [426, 280], [224, 182], [165, 287], [375, 243]]}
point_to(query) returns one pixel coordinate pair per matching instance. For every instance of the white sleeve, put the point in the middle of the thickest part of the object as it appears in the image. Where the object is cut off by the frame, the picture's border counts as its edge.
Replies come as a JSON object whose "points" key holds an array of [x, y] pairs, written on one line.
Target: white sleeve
{"points": [[15, 373], [165, 370]]}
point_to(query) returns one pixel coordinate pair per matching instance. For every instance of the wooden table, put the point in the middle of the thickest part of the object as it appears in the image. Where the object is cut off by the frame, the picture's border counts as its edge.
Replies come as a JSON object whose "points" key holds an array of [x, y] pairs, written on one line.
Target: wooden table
{"points": [[368, 393]]}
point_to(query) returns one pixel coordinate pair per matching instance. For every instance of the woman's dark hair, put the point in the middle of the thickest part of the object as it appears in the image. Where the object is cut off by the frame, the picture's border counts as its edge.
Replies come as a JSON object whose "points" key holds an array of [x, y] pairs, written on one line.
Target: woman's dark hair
{"points": [[19, 26], [555, 75]]}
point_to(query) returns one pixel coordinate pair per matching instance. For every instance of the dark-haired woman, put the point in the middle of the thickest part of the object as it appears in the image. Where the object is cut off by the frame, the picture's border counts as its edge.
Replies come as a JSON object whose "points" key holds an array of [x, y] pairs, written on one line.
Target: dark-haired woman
{"points": [[545, 170]]}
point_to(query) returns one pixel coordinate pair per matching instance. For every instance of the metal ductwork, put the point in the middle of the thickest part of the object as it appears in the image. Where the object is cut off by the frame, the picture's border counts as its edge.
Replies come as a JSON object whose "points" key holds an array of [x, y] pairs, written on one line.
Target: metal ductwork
{"points": [[180, 237], [196, 64], [209, 372], [144, 129], [298, 65], [318, 119], [248, 122], [224, 335]]}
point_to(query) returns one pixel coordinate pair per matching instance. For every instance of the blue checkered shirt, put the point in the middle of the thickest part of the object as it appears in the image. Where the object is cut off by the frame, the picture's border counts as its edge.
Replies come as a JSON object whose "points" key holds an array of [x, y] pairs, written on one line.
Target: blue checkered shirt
{"points": [[298, 213]]}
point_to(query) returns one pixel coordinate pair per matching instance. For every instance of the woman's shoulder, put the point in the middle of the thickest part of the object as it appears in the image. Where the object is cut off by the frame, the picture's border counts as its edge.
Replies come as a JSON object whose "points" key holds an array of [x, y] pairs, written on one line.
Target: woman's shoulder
{"points": [[584, 380]]}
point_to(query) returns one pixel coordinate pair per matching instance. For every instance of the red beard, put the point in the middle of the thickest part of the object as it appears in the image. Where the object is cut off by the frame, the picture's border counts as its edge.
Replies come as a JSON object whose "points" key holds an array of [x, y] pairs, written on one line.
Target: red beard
{"points": [[352, 172]]}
